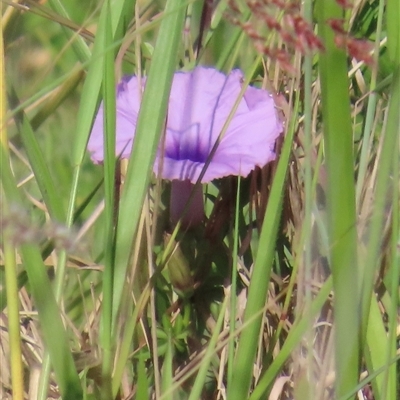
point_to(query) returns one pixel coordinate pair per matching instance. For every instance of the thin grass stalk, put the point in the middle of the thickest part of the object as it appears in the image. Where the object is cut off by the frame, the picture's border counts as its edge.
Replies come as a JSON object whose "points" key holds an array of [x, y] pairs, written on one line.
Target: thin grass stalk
{"points": [[78, 151], [390, 140], [141, 383], [57, 97], [10, 265], [3, 95], [237, 36], [218, 15], [247, 346], [383, 183], [295, 336], [375, 354], [85, 116], [147, 136], [390, 379], [40, 285], [38, 164], [233, 291], [308, 202], [79, 46], [369, 378], [340, 198], [109, 188], [198, 385], [371, 107], [167, 371], [54, 334]]}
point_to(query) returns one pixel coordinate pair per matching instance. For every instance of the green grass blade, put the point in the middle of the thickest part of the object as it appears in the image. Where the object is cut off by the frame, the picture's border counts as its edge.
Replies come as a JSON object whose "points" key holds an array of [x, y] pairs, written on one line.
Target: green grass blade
{"points": [[371, 107], [233, 290], [391, 383], [91, 88], [229, 48], [295, 336], [167, 371], [54, 334], [376, 354], [80, 47], [17, 376], [393, 31], [9, 251], [142, 383], [390, 144], [57, 97], [109, 187], [340, 198], [52, 328], [121, 16], [39, 166], [248, 340], [148, 132], [198, 385]]}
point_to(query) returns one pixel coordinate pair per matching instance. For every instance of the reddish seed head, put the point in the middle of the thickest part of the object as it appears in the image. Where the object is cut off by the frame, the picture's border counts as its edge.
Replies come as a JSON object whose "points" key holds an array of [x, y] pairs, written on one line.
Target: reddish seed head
{"points": [[272, 23], [345, 3], [337, 25], [356, 48]]}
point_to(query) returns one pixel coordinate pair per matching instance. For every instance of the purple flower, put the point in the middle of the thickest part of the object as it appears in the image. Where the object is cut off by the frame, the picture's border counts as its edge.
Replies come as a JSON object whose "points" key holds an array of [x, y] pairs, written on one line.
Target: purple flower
{"points": [[199, 105]]}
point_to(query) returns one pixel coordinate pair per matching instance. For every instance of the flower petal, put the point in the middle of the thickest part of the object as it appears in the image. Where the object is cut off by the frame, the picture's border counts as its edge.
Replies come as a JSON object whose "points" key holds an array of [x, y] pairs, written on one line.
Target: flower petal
{"points": [[199, 105], [128, 105]]}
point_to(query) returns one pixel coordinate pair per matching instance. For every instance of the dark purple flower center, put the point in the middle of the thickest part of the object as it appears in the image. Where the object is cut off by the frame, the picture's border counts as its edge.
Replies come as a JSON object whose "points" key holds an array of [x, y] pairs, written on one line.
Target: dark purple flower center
{"points": [[186, 145]]}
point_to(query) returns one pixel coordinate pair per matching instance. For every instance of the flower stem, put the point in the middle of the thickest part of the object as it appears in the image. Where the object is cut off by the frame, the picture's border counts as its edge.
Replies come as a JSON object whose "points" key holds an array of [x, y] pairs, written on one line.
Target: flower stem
{"points": [[186, 204]]}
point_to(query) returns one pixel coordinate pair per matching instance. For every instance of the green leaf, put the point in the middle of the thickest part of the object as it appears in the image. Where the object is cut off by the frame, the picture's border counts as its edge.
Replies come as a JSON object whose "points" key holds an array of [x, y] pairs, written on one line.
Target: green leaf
{"points": [[338, 141], [149, 128]]}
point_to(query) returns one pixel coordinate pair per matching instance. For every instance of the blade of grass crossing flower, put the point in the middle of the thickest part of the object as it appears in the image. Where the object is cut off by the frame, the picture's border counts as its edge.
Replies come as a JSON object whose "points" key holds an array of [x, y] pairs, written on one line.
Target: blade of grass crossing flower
{"points": [[248, 341], [232, 314], [148, 132], [340, 198], [109, 187], [89, 100], [91, 87], [54, 334]]}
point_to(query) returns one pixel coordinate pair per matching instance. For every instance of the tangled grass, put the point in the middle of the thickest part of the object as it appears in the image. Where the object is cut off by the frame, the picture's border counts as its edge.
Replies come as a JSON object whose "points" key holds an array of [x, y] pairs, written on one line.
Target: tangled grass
{"points": [[289, 289]]}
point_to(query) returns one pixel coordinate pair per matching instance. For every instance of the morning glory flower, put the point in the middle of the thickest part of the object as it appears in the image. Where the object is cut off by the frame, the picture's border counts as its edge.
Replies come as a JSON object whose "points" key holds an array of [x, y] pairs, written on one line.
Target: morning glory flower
{"points": [[199, 105]]}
